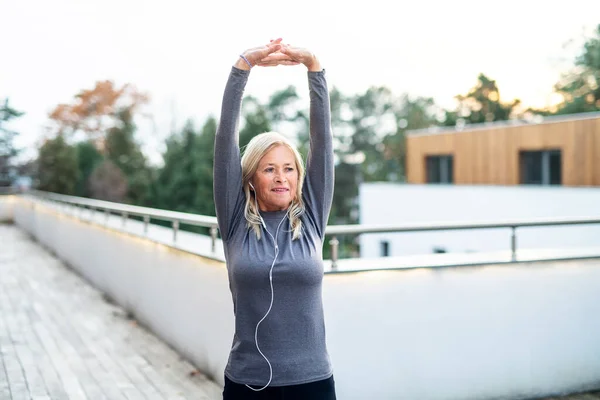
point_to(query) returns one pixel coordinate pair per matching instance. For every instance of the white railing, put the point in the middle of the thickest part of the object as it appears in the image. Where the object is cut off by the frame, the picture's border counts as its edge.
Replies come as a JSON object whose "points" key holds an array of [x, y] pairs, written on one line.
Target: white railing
{"points": [[147, 214], [338, 230], [333, 231]]}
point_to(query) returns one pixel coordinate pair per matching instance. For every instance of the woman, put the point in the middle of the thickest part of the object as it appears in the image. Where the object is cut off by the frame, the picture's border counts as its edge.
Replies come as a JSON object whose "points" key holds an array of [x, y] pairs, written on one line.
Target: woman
{"points": [[272, 217]]}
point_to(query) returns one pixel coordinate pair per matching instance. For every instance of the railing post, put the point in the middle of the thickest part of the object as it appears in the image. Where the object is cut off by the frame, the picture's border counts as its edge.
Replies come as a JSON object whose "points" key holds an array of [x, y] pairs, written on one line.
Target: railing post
{"points": [[213, 237], [146, 222], [175, 229], [513, 244], [334, 252]]}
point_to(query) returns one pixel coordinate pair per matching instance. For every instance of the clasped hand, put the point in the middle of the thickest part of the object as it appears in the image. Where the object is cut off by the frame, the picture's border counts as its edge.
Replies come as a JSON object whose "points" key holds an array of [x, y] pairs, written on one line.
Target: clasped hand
{"points": [[277, 53]]}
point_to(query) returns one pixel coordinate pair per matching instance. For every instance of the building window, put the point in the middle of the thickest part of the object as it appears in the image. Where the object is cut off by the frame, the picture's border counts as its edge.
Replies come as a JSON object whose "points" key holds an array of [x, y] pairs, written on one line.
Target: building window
{"points": [[440, 169], [541, 167], [385, 248]]}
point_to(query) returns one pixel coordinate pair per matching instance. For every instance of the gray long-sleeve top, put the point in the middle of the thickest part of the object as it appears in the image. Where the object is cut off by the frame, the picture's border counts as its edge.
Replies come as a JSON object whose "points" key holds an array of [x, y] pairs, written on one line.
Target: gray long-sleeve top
{"points": [[292, 336]]}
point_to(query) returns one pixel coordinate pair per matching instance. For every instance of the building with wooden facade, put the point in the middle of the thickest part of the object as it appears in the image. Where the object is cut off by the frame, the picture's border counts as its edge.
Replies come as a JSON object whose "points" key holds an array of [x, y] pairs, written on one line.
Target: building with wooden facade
{"points": [[557, 150]]}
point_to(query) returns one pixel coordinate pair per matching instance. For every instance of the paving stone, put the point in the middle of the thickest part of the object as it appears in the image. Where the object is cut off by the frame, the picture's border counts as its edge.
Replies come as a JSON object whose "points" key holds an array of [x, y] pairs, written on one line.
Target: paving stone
{"points": [[59, 339]]}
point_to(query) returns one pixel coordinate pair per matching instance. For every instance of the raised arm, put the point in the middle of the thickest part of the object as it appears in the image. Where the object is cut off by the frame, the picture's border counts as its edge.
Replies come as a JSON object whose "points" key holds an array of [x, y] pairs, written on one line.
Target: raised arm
{"points": [[227, 171], [319, 164], [319, 181]]}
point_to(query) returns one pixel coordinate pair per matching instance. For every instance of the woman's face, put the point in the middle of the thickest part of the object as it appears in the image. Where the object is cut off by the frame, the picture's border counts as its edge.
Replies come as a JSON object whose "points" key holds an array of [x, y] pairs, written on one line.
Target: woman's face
{"points": [[276, 179]]}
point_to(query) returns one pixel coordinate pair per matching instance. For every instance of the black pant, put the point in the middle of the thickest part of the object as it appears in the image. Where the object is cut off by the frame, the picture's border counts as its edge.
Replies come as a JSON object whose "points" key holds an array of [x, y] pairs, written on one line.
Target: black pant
{"points": [[319, 390]]}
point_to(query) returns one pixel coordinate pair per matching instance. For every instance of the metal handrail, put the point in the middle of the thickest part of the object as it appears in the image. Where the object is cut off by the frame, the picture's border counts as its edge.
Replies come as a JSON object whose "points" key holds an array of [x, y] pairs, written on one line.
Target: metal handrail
{"points": [[176, 218], [125, 210], [436, 226], [337, 230]]}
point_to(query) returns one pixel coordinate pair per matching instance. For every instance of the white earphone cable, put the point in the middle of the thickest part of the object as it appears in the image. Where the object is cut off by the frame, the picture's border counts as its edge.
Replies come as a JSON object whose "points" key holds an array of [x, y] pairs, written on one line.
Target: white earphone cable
{"points": [[272, 293]]}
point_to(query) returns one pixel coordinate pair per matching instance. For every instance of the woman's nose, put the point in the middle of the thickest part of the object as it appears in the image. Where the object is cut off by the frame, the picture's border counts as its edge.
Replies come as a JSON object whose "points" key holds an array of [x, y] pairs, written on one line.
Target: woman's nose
{"points": [[279, 176]]}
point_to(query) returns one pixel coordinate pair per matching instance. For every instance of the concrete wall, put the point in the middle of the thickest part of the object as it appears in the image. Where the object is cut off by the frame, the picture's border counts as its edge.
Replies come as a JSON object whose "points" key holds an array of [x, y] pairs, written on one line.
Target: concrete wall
{"points": [[6, 208], [386, 203], [491, 332]]}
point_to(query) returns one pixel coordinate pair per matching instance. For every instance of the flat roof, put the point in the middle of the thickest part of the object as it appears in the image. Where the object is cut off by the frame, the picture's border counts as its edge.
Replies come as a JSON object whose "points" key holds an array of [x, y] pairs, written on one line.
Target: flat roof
{"points": [[535, 120]]}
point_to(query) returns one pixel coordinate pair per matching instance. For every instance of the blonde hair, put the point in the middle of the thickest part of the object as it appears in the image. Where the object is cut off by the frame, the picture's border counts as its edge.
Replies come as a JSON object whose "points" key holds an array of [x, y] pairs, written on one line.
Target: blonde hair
{"points": [[254, 152]]}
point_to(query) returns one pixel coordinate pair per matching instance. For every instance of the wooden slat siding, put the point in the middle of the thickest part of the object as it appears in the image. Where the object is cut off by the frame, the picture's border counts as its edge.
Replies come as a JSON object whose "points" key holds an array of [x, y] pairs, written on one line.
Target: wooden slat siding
{"points": [[448, 146], [505, 169], [485, 158], [588, 166], [449, 141], [414, 157], [462, 156], [579, 160], [568, 156], [458, 158], [594, 159], [512, 158], [499, 163], [477, 150], [491, 156], [596, 154], [498, 160]]}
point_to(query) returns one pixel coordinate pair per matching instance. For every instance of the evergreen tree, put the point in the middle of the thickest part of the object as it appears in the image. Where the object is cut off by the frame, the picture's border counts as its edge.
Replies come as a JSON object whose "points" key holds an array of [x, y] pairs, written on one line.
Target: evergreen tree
{"points": [[108, 182], [203, 169], [125, 153], [481, 104], [57, 166], [7, 147], [580, 87], [88, 158], [176, 184]]}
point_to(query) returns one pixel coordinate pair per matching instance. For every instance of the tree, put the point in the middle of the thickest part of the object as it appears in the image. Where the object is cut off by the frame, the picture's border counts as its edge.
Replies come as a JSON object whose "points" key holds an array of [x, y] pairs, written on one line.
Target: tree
{"points": [[203, 169], [361, 124], [57, 166], [481, 104], [88, 158], [256, 120], [281, 112], [104, 116], [96, 110], [416, 113], [108, 182], [580, 87], [7, 148], [123, 150], [176, 185]]}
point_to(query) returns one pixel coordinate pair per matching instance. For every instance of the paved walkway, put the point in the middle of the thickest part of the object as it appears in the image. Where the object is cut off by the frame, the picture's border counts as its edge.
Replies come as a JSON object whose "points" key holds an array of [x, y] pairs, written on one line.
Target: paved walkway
{"points": [[59, 340]]}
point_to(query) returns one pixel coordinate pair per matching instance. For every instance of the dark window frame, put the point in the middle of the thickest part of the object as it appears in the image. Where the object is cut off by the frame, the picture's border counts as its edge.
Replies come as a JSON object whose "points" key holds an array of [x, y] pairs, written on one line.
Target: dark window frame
{"points": [[540, 167], [384, 248], [439, 168]]}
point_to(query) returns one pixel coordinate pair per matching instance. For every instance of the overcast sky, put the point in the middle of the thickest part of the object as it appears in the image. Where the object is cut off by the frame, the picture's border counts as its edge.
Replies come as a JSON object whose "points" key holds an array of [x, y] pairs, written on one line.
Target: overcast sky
{"points": [[180, 52]]}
